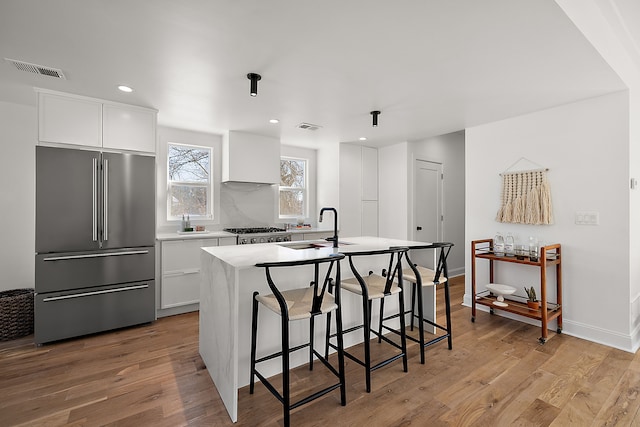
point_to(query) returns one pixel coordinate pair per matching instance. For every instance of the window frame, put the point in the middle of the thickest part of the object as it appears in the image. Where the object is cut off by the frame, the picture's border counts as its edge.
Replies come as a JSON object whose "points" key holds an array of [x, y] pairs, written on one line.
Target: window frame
{"points": [[209, 185], [304, 189]]}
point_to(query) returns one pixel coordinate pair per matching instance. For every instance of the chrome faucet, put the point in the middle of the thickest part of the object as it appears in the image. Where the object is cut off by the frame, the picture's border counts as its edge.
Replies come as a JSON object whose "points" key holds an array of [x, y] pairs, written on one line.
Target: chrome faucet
{"points": [[335, 225]]}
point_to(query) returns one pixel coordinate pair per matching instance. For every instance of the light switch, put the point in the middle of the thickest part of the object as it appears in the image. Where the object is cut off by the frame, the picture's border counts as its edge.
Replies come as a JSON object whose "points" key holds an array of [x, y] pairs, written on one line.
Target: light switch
{"points": [[587, 218]]}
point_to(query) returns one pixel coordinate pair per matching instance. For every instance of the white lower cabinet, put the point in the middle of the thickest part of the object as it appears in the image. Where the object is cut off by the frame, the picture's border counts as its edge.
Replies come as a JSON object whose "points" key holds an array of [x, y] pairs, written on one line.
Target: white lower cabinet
{"points": [[180, 266]]}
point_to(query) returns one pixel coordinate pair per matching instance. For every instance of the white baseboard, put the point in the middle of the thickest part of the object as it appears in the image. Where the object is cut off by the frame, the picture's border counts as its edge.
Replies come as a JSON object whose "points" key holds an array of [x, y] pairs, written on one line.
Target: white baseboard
{"points": [[575, 329]]}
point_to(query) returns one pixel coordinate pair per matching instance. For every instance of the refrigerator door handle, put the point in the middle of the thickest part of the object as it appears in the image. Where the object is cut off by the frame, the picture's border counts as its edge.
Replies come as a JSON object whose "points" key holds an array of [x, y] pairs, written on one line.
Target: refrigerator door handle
{"points": [[88, 294], [105, 207], [63, 258], [94, 205]]}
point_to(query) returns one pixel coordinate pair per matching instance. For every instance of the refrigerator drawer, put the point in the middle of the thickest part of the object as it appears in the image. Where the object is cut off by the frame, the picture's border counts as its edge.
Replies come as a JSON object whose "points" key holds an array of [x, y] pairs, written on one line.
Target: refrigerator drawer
{"points": [[77, 270], [60, 315]]}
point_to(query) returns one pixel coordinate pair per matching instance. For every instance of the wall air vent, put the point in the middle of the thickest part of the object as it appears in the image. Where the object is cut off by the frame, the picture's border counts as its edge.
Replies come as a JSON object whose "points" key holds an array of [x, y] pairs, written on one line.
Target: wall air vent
{"points": [[307, 126], [37, 69]]}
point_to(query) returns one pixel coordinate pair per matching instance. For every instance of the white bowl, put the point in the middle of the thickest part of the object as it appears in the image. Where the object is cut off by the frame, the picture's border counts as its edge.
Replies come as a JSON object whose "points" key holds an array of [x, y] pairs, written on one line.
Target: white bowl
{"points": [[500, 291]]}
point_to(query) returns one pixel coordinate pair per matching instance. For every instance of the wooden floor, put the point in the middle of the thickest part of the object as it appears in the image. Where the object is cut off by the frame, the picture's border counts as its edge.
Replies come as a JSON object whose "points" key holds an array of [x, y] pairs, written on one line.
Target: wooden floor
{"points": [[496, 375]]}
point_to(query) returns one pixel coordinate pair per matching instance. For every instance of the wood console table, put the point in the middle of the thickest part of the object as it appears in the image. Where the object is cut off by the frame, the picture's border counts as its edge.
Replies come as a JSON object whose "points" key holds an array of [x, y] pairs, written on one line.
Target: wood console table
{"points": [[549, 256]]}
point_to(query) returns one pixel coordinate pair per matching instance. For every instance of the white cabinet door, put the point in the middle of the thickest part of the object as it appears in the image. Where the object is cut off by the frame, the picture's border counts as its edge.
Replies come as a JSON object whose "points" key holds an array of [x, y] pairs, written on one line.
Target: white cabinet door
{"points": [[350, 190], [68, 120], [129, 128], [370, 218], [369, 173], [180, 266]]}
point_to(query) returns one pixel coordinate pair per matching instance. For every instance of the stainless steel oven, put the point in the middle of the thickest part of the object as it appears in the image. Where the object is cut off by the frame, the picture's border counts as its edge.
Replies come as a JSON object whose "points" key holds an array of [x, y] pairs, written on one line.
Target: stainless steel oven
{"points": [[252, 235]]}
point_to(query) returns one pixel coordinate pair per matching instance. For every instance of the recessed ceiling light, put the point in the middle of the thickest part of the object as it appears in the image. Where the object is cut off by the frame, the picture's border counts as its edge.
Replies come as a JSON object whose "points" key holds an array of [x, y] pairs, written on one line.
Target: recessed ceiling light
{"points": [[363, 138], [125, 88], [274, 121]]}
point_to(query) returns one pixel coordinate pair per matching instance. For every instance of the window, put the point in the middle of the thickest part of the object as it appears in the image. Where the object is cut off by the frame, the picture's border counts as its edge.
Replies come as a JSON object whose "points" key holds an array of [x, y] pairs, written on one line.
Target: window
{"points": [[293, 188], [189, 189]]}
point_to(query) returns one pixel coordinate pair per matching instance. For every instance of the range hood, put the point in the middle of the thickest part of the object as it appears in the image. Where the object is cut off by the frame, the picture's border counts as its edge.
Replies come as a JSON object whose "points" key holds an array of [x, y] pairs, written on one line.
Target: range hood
{"points": [[250, 158]]}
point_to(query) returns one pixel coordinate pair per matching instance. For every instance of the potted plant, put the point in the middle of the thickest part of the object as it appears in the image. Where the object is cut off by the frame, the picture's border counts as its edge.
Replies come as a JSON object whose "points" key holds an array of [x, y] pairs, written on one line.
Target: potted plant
{"points": [[532, 299]]}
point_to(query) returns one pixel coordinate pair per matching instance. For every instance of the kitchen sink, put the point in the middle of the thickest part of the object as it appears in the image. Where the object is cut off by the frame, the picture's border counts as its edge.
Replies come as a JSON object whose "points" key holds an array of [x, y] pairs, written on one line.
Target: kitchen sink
{"points": [[316, 244]]}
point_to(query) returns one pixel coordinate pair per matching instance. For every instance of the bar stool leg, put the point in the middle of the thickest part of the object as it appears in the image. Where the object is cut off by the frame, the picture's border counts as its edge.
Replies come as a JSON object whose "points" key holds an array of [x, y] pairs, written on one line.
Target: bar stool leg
{"points": [[343, 386], [254, 331], [413, 303], [311, 337], [366, 317], [380, 322], [286, 391], [403, 332], [421, 323], [448, 312]]}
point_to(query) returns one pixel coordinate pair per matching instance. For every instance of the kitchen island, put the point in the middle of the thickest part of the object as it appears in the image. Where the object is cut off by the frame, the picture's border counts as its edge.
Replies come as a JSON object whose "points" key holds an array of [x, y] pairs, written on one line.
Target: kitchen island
{"points": [[229, 278]]}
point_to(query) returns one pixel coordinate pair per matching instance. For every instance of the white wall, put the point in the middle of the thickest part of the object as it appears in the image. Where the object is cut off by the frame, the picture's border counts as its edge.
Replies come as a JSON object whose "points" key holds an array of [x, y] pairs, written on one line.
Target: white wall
{"points": [[602, 24], [585, 146], [448, 150], [17, 195]]}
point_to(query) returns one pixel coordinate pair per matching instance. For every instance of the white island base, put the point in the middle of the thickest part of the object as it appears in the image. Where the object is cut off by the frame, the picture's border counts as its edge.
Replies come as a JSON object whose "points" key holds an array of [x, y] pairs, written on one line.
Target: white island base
{"points": [[229, 278]]}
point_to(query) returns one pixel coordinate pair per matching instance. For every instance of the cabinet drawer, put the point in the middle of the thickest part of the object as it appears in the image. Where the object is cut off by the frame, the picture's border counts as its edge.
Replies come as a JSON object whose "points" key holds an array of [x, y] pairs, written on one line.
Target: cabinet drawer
{"points": [[181, 255], [182, 289], [60, 315]]}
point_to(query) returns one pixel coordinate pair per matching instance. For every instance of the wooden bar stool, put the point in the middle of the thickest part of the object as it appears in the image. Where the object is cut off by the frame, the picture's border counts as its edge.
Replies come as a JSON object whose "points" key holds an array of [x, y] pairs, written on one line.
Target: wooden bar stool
{"points": [[299, 304], [421, 277], [376, 287]]}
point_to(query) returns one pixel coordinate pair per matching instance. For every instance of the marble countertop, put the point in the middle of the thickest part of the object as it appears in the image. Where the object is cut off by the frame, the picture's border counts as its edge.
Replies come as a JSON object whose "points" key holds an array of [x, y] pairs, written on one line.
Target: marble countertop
{"points": [[245, 256], [220, 233], [194, 235]]}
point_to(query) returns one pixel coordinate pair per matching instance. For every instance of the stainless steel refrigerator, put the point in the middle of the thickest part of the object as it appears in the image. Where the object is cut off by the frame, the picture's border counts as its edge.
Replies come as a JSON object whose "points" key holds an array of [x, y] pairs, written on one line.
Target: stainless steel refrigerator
{"points": [[95, 235]]}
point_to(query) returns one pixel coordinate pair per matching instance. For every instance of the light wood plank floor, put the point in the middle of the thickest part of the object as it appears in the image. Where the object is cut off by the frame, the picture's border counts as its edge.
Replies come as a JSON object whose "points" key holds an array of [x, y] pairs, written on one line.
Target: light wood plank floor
{"points": [[496, 375]]}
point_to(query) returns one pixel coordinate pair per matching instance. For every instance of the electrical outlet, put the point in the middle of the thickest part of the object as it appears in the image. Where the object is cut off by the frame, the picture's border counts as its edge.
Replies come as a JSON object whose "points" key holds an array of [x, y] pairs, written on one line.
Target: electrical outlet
{"points": [[587, 218]]}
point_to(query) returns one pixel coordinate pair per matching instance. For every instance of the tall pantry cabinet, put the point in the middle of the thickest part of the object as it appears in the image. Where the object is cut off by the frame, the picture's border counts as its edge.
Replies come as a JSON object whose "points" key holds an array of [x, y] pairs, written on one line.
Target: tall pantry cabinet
{"points": [[358, 190]]}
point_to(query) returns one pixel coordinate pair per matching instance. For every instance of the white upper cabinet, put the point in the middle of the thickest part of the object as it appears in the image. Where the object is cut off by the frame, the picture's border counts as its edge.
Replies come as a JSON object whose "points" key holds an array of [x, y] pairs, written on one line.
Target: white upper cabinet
{"points": [[250, 158], [79, 120], [128, 128], [68, 120]]}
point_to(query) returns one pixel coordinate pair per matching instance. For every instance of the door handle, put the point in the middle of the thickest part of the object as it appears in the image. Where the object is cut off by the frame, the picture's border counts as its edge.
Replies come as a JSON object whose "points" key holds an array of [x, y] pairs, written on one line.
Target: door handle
{"points": [[105, 254], [94, 203], [105, 207], [419, 228], [88, 294]]}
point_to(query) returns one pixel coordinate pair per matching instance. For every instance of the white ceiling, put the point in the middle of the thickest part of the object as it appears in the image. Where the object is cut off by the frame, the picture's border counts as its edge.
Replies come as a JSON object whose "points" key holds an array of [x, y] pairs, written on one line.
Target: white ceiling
{"points": [[430, 66]]}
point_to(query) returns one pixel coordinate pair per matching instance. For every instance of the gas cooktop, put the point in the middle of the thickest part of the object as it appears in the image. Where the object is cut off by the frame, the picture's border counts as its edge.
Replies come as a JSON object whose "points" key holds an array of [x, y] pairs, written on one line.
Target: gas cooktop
{"points": [[254, 230]]}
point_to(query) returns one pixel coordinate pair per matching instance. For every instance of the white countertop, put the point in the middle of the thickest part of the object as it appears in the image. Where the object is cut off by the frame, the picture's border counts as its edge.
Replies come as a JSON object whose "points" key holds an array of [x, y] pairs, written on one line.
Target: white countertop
{"points": [[245, 256], [194, 235], [220, 233]]}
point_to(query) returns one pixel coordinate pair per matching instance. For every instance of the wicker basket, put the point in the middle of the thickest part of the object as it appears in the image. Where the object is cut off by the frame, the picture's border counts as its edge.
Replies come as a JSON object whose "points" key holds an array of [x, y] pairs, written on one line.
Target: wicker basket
{"points": [[16, 313]]}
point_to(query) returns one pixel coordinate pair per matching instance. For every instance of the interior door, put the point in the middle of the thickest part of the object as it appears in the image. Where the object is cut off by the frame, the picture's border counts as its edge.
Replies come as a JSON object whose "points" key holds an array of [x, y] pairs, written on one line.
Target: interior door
{"points": [[428, 218], [66, 199], [128, 214], [428, 213]]}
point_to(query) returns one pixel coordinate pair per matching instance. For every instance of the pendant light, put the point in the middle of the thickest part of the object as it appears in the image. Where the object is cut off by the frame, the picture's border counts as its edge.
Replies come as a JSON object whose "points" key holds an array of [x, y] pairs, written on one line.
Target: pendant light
{"points": [[254, 83], [375, 115]]}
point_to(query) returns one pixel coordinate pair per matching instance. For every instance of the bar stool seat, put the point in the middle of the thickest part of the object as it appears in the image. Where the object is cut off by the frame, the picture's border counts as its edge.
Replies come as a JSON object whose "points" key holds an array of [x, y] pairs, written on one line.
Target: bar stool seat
{"points": [[298, 303], [427, 275], [315, 299], [375, 286]]}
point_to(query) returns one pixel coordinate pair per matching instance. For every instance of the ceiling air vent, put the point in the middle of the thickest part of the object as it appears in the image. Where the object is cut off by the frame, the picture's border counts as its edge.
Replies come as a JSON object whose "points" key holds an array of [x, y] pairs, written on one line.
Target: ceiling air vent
{"points": [[37, 69], [308, 126]]}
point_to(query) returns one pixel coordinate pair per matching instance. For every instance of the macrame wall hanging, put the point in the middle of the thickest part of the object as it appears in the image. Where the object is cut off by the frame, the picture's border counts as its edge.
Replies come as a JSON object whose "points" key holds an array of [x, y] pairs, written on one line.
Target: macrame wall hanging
{"points": [[526, 196]]}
